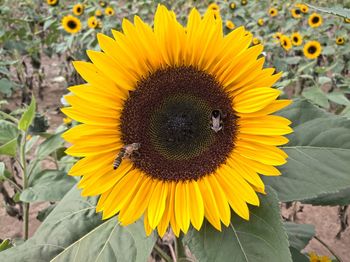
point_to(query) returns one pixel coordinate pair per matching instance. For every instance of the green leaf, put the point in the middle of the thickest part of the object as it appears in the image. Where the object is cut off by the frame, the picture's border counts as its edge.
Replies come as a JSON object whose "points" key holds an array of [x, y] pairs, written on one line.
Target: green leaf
{"points": [[5, 86], [339, 11], [318, 151], [297, 256], [5, 244], [299, 235], [50, 145], [2, 169], [341, 198], [323, 80], [262, 238], [8, 131], [317, 96], [292, 60], [48, 185], [28, 116], [9, 148], [74, 230], [338, 98]]}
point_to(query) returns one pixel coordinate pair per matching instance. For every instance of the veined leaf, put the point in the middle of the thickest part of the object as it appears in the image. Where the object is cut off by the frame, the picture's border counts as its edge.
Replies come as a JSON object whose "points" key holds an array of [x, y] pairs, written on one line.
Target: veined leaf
{"points": [[299, 235], [262, 238], [28, 116], [74, 231], [319, 154]]}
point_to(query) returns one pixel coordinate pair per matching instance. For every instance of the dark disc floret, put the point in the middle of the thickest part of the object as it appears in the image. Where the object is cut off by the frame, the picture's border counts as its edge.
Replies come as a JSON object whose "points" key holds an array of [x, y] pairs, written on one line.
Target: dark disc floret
{"points": [[312, 49], [72, 24], [170, 114]]}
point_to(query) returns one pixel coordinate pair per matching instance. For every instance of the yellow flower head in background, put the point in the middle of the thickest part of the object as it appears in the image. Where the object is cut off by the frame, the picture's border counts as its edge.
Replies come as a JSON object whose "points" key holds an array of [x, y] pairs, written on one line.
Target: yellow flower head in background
{"points": [[71, 24], [303, 8], [296, 13], [273, 12], [315, 258], [214, 7], [52, 2], [244, 2], [176, 132], [232, 6], [312, 49], [109, 11], [286, 43], [315, 20], [229, 24], [347, 20], [78, 9], [256, 41], [260, 22], [277, 35], [102, 3], [92, 22], [340, 40], [98, 13], [296, 38]]}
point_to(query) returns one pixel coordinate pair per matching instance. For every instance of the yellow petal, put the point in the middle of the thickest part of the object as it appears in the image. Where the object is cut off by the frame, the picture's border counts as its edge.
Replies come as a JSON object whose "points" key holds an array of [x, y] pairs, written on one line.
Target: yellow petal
{"points": [[156, 205], [196, 206], [182, 213]]}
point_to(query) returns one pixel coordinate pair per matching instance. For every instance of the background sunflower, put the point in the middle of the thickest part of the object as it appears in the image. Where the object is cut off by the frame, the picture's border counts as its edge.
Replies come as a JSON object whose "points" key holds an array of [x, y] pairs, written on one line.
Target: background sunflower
{"points": [[312, 49], [71, 24]]}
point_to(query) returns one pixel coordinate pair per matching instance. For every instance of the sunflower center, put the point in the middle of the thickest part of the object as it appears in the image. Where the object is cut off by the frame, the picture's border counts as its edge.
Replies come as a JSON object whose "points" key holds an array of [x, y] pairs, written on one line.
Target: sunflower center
{"points": [[295, 38], [312, 49], [315, 20], [78, 9], [72, 24], [297, 11], [170, 114]]}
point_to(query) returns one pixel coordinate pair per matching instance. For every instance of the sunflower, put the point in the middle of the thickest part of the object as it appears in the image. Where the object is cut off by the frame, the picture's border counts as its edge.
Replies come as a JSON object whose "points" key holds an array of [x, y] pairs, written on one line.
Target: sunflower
{"points": [[340, 40], [260, 22], [229, 24], [78, 9], [52, 2], [244, 2], [98, 13], [277, 35], [109, 11], [191, 110], [296, 13], [256, 41], [297, 39], [312, 49], [232, 6], [273, 12], [303, 8], [315, 20], [92, 22], [315, 258], [214, 7], [102, 3], [347, 20], [71, 24], [285, 42]]}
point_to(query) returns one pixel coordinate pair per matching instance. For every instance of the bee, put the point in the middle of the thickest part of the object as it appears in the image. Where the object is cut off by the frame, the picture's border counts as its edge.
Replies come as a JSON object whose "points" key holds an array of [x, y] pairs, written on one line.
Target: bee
{"points": [[126, 152], [216, 120]]}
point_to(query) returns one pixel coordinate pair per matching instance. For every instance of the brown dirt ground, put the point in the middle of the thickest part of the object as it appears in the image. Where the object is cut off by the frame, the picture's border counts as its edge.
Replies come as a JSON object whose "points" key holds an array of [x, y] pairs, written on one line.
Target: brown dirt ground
{"points": [[325, 219]]}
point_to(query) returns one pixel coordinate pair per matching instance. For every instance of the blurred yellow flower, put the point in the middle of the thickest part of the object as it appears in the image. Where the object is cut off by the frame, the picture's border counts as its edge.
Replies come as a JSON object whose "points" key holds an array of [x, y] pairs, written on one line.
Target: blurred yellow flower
{"points": [[109, 11], [78, 9], [244, 2], [340, 40], [92, 22], [296, 13], [214, 7], [303, 8], [315, 20], [256, 41], [261, 22], [229, 24], [285, 42], [312, 49], [52, 2], [297, 39], [71, 24], [347, 20], [232, 6], [315, 258], [67, 120], [102, 3], [28, 137], [273, 12], [98, 13]]}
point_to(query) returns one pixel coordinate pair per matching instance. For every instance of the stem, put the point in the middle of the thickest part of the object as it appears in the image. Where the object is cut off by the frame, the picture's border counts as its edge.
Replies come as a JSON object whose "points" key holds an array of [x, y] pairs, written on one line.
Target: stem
{"points": [[180, 249], [328, 248], [8, 116], [162, 253], [25, 184]]}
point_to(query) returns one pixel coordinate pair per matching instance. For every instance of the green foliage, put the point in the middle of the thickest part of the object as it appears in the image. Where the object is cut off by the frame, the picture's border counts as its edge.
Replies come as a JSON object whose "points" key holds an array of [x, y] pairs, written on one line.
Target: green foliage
{"points": [[8, 138], [261, 239], [318, 150], [28, 116], [339, 11], [74, 230]]}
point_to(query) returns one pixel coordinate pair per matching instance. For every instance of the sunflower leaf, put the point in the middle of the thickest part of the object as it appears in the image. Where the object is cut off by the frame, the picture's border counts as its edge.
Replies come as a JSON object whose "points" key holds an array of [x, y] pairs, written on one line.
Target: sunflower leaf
{"points": [[262, 238], [339, 11], [318, 151], [73, 230], [299, 235], [28, 116]]}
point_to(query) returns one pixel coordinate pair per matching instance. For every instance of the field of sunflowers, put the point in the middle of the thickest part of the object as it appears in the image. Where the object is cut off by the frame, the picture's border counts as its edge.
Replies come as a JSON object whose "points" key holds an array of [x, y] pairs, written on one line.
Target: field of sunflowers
{"points": [[181, 130]]}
